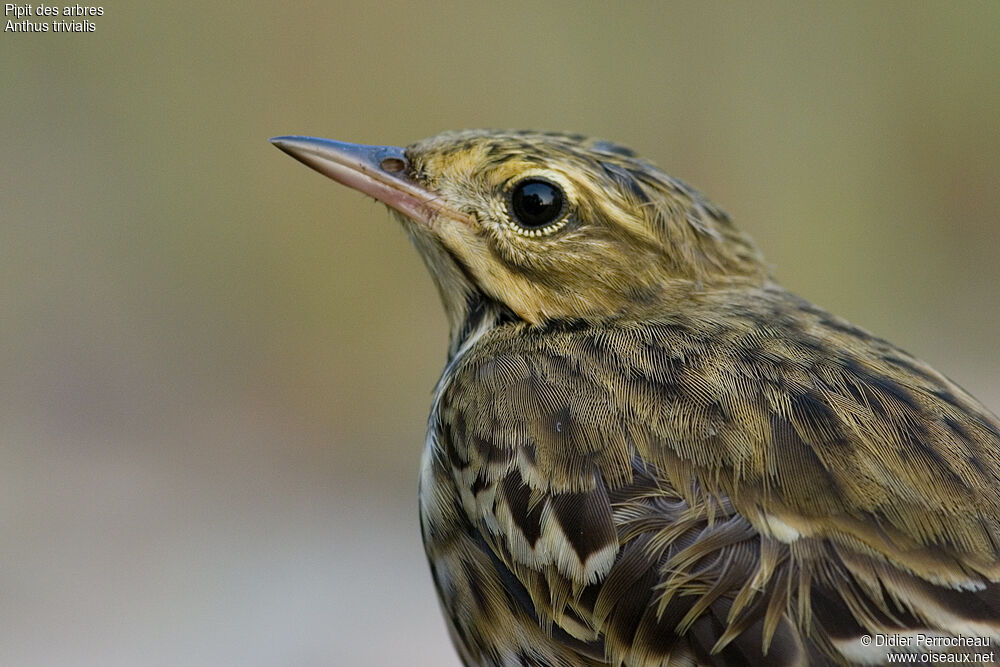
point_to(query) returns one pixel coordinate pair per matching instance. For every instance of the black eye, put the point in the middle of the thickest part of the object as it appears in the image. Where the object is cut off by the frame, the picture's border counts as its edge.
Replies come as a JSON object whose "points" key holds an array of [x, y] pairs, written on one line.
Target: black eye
{"points": [[535, 203]]}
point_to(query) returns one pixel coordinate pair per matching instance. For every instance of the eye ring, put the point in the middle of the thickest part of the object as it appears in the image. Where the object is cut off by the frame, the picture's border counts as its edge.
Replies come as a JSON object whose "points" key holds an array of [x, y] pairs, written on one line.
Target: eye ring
{"points": [[537, 207]]}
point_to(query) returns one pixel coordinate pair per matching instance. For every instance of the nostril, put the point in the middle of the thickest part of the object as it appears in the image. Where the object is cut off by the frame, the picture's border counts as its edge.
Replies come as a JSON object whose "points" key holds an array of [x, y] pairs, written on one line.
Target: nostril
{"points": [[392, 164]]}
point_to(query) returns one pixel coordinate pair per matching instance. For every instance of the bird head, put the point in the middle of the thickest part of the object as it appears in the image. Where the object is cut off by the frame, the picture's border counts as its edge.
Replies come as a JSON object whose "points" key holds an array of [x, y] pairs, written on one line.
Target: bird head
{"points": [[549, 225]]}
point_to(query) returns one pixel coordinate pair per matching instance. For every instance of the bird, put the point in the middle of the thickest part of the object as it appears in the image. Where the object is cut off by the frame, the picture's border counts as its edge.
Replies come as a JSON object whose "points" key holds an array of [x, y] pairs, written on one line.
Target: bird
{"points": [[645, 451]]}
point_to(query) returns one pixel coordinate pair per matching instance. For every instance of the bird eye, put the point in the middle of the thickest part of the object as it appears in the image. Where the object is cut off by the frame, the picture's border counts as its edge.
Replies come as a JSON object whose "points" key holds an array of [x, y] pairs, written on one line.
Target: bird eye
{"points": [[536, 203]]}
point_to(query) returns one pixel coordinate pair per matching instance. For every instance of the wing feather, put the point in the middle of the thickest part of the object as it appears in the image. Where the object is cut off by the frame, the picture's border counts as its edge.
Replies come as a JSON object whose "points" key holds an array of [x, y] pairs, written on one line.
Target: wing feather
{"points": [[673, 486]]}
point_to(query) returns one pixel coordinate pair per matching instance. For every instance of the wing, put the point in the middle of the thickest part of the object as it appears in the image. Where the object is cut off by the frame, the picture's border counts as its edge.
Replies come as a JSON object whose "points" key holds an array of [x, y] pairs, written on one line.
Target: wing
{"points": [[707, 488]]}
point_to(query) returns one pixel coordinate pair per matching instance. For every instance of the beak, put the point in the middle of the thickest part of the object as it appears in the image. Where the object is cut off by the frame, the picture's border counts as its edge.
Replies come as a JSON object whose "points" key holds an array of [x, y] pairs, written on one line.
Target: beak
{"points": [[377, 171]]}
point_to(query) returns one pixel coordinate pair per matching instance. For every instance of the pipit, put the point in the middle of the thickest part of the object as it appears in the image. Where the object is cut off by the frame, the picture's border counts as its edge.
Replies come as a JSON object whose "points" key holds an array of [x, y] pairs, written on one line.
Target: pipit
{"points": [[644, 451]]}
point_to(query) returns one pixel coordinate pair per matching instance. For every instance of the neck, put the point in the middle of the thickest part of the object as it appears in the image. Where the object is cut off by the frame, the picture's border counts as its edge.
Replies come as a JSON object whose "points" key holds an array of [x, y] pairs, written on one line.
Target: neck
{"points": [[480, 314]]}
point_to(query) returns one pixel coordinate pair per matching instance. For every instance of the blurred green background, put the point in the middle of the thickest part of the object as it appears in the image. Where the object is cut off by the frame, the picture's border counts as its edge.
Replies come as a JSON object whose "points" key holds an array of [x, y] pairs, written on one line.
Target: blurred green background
{"points": [[216, 364]]}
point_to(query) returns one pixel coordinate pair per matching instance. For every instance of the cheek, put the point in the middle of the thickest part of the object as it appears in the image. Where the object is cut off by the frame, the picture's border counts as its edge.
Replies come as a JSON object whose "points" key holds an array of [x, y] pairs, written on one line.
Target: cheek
{"points": [[467, 245]]}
